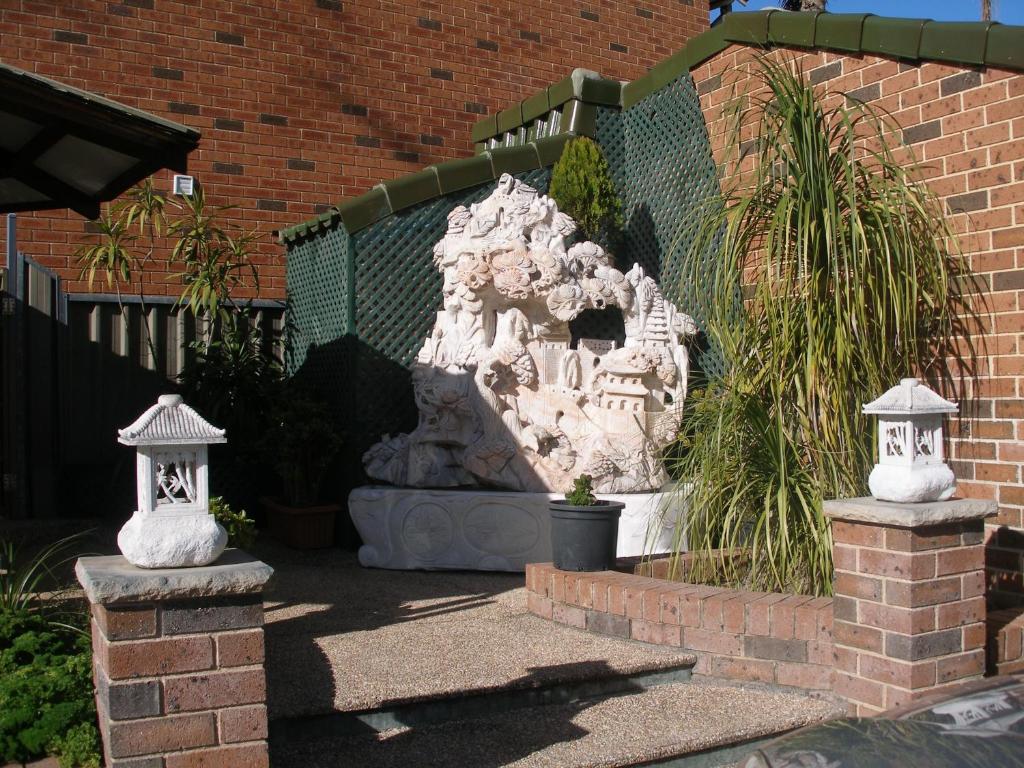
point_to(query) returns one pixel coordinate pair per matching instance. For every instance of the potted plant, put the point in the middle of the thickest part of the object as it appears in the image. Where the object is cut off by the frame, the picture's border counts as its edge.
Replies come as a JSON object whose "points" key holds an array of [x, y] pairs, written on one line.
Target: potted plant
{"points": [[584, 529], [300, 444]]}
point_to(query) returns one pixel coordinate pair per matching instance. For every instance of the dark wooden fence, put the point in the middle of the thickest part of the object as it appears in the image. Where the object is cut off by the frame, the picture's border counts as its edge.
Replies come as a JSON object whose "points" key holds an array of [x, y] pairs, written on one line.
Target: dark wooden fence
{"points": [[73, 369]]}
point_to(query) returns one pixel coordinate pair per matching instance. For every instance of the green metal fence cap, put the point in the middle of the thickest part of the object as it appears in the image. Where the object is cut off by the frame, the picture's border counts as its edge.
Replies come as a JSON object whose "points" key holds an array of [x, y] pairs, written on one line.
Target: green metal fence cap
{"points": [[669, 69], [320, 223], [598, 90], [637, 90], [514, 159], [795, 28], [535, 106], [362, 211], [748, 27], [510, 119], [560, 92], [579, 118], [485, 128], [549, 149], [704, 46], [840, 31], [900, 38], [412, 188], [962, 43], [1005, 46], [463, 173]]}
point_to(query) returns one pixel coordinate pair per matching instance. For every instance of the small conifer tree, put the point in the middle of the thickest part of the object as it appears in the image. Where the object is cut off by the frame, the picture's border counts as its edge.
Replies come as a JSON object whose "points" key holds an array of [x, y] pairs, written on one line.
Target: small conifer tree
{"points": [[582, 185]]}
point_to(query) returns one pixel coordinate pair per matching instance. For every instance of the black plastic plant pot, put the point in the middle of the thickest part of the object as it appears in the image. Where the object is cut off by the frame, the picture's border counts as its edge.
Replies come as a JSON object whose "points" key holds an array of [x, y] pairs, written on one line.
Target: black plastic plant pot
{"points": [[584, 538]]}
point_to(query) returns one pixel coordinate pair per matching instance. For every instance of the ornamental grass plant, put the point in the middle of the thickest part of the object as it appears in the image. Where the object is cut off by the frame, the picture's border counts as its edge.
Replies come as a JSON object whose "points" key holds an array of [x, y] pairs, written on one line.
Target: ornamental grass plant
{"points": [[827, 272]]}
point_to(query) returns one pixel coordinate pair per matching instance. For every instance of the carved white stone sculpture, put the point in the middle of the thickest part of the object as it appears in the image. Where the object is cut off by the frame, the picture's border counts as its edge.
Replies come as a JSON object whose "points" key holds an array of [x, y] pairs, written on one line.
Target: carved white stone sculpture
{"points": [[504, 399], [910, 464], [173, 527]]}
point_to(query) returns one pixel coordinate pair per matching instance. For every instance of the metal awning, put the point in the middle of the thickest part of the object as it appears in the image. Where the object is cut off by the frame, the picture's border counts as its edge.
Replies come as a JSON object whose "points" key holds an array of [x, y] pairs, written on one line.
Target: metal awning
{"points": [[61, 147]]}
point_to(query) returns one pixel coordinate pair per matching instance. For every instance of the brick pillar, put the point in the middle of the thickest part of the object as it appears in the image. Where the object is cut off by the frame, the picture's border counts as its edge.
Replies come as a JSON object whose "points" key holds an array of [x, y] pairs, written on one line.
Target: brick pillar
{"points": [[178, 662], [909, 609]]}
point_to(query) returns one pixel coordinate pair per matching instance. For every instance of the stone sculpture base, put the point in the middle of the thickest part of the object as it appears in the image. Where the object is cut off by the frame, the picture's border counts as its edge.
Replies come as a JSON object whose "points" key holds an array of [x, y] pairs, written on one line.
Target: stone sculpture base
{"points": [[413, 528]]}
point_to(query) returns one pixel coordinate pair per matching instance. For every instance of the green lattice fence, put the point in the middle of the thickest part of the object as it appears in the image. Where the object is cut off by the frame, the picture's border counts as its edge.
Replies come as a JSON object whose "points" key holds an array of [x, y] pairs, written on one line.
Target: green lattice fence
{"points": [[661, 161]]}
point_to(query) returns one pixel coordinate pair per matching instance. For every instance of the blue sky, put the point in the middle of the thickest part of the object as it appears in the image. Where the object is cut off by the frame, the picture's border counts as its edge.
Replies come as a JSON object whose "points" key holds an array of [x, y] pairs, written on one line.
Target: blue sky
{"points": [[1005, 11]]}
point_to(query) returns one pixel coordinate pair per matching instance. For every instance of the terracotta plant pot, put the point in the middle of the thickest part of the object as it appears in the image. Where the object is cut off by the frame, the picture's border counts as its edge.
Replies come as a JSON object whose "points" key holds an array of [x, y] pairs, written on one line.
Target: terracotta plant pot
{"points": [[584, 538], [301, 527]]}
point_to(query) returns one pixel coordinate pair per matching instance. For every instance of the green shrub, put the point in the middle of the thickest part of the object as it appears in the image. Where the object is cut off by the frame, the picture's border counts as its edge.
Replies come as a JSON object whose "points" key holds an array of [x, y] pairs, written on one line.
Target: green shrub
{"points": [[240, 527], [582, 185], [301, 442], [46, 693], [582, 493]]}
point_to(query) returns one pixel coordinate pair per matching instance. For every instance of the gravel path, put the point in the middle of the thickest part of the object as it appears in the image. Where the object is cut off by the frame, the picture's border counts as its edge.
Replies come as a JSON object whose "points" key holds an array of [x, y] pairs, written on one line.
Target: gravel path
{"points": [[373, 636]]}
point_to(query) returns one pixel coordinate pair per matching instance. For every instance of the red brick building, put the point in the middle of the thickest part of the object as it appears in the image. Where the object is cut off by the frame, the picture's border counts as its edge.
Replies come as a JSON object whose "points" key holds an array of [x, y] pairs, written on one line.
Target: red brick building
{"points": [[303, 103]]}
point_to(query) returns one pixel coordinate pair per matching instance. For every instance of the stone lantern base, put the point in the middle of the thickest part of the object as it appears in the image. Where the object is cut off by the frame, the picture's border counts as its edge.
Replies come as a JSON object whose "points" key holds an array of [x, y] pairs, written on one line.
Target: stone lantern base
{"points": [[171, 541], [909, 485]]}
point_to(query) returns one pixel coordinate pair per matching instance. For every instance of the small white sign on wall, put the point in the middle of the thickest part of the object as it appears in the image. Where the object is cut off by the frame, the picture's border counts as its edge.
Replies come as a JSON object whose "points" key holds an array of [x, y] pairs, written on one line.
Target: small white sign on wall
{"points": [[183, 185]]}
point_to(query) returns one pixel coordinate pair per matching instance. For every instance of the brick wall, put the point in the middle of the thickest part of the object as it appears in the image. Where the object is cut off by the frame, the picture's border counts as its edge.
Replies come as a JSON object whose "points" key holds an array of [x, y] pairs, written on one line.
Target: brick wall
{"points": [[303, 103], [740, 635], [181, 683], [967, 128]]}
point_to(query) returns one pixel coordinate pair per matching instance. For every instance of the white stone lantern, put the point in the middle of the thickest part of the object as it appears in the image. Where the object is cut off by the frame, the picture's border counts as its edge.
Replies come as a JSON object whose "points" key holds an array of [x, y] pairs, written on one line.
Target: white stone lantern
{"points": [[911, 464], [172, 527]]}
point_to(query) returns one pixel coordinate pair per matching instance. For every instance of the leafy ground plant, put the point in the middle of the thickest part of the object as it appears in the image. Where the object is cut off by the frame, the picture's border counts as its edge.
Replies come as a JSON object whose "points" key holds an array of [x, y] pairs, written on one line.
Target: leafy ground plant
{"points": [[240, 527], [833, 274], [46, 702]]}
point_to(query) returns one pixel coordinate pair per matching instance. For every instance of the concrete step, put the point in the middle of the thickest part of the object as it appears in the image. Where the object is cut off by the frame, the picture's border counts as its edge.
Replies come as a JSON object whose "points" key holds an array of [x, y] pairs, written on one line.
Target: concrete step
{"points": [[345, 639], [696, 724], [566, 684]]}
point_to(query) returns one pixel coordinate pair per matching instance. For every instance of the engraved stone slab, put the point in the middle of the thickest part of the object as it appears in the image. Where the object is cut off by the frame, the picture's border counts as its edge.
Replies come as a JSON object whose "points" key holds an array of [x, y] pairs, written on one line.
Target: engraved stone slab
{"points": [[410, 528]]}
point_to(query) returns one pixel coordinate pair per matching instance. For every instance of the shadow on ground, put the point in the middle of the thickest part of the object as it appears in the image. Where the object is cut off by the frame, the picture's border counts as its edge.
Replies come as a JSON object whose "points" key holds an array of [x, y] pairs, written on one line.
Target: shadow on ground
{"points": [[466, 740]]}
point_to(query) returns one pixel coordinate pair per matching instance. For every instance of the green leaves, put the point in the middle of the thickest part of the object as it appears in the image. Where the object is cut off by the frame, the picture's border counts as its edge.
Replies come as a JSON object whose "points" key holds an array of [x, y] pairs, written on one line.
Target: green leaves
{"points": [[214, 260], [46, 703], [214, 257], [582, 493], [111, 256], [241, 528], [582, 185], [833, 275]]}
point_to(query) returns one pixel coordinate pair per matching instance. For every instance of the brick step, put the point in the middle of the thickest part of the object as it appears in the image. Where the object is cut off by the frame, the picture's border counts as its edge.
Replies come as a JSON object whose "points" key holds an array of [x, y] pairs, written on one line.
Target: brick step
{"points": [[698, 723], [1005, 641], [567, 684]]}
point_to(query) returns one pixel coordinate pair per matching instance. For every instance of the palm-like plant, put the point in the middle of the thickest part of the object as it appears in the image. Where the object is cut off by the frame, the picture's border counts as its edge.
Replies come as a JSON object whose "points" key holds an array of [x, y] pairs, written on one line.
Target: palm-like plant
{"points": [[214, 262], [832, 274], [214, 259]]}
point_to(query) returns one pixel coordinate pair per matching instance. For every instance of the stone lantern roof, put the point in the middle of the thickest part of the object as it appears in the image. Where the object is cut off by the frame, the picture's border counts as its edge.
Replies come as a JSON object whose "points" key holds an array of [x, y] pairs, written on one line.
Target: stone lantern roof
{"points": [[170, 422], [912, 397]]}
